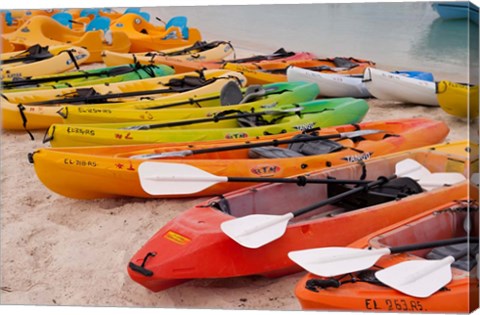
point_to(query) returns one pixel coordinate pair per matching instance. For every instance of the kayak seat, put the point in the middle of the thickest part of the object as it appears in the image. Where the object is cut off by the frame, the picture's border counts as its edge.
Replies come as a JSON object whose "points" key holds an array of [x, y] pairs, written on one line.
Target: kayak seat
{"points": [[296, 149], [271, 152], [181, 23], [230, 94], [8, 18], [63, 18], [314, 147], [466, 262], [90, 13], [253, 92], [392, 190], [344, 63], [136, 11], [99, 23]]}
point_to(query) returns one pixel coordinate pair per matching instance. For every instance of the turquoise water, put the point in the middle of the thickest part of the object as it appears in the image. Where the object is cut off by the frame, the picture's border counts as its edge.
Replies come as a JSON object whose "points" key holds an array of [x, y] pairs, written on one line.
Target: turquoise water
{"points": [[401, 35]]}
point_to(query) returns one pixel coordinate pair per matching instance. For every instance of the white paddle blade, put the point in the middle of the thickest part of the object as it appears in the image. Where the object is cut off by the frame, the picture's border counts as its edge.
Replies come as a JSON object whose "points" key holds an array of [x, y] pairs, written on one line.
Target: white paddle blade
{"points": [[437, 180], [256, 230], [334, 261], [158, 178], [411, 168], [418, 278]]}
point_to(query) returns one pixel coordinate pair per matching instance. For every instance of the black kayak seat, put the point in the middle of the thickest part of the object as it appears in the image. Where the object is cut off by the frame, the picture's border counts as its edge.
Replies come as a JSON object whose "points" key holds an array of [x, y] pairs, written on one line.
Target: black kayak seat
{"points": [[317, 147], [466, 262], [314, 147], [270, 152]]}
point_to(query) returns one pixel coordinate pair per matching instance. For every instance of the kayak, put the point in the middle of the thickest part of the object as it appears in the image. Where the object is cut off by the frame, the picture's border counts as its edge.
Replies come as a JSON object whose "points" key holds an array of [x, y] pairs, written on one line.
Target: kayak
{"points": [[195, 243], [362, 291], [336, 85], [276, 71], [393, 87], [453, 10], [39, 60], [198, 52], [457, 99], [287, 118], [39, 110], [145, 36], [45, 31], [86, 77], [180, 66], [261, 98], [112, 171]]}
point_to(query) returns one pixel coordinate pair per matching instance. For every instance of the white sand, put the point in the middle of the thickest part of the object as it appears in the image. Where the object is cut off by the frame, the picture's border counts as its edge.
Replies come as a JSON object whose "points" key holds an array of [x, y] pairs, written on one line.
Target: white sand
{"points": [[60, 251]]}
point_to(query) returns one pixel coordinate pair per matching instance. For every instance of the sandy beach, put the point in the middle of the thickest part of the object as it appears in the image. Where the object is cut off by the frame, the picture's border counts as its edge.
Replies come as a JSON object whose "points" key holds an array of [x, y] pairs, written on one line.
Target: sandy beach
{"points": [[61, 251]]}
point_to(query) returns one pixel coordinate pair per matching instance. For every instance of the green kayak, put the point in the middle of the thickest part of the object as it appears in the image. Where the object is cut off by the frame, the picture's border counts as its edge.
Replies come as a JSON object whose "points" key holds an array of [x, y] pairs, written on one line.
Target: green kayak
{"points": [[87, 77], [227, 125]]}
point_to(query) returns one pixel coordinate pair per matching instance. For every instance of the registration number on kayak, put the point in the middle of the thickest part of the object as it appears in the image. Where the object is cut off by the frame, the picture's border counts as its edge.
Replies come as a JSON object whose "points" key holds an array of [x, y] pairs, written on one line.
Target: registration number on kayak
{"points": [[394, 305]]}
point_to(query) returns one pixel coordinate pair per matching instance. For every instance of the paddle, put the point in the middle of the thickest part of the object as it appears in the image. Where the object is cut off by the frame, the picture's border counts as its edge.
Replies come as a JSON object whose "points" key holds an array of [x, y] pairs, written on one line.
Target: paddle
{"points": [[158, 178], [419, 278], [334, 261], [184, 153], [104, 97], [216, 118], [256, 230], [112, 72]]}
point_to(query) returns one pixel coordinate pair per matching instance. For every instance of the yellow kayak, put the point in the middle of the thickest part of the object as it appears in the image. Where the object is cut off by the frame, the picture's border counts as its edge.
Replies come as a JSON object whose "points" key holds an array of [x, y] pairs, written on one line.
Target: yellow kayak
{"points": [[261, 98], [43, 30], [200, 51], [38, 111], [40, 60], [457, 99]]}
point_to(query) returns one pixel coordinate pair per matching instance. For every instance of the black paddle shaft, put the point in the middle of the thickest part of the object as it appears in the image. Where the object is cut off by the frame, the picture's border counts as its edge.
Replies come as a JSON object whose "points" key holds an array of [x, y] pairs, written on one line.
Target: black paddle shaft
{"points": [[379, 181], [451, 241], [216, 118], [300, 180], [16, 83], [105, 97]]}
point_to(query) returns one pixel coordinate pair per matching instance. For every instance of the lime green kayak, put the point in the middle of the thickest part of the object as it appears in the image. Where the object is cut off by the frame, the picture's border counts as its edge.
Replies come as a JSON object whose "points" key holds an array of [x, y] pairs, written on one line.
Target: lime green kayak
{"points": [[88, 77], [227, 125], [261, 97]]}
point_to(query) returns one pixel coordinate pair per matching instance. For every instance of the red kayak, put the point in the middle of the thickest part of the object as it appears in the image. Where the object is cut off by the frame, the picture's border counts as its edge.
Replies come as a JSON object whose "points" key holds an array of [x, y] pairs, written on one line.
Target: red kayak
{"points": [[194, 244]]}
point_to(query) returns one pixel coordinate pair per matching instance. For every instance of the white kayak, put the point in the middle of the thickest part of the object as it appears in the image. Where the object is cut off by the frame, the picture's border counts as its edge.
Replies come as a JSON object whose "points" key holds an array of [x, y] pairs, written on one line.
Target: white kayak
{"points": [[393, 87], [331, 85]]}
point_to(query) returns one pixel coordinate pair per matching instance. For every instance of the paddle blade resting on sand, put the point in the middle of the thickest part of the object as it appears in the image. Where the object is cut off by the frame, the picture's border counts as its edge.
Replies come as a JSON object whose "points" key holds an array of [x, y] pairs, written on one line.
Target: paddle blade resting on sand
{"points": [[333, 261], [418, 278]]}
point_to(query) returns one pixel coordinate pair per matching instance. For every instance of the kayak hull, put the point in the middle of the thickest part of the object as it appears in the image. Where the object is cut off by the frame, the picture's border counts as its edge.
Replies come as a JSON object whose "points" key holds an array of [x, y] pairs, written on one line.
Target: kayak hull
{"points": [[201, 107], [442, 222], [393, 87], [42, 116], [102, 172], [457, 99], [192, 245], [313, 114]]}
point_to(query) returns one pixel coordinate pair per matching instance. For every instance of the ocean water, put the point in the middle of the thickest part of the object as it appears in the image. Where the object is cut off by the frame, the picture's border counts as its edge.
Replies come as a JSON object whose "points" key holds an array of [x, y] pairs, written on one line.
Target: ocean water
{"points": [[404, 35]]}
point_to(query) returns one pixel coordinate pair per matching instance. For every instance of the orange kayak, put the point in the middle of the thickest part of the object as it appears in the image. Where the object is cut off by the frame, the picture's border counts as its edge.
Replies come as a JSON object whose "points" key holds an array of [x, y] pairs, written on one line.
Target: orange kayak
{"points": [[362, 291], [275, 71], [102, 172], [185, 65], [193, 245]]}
